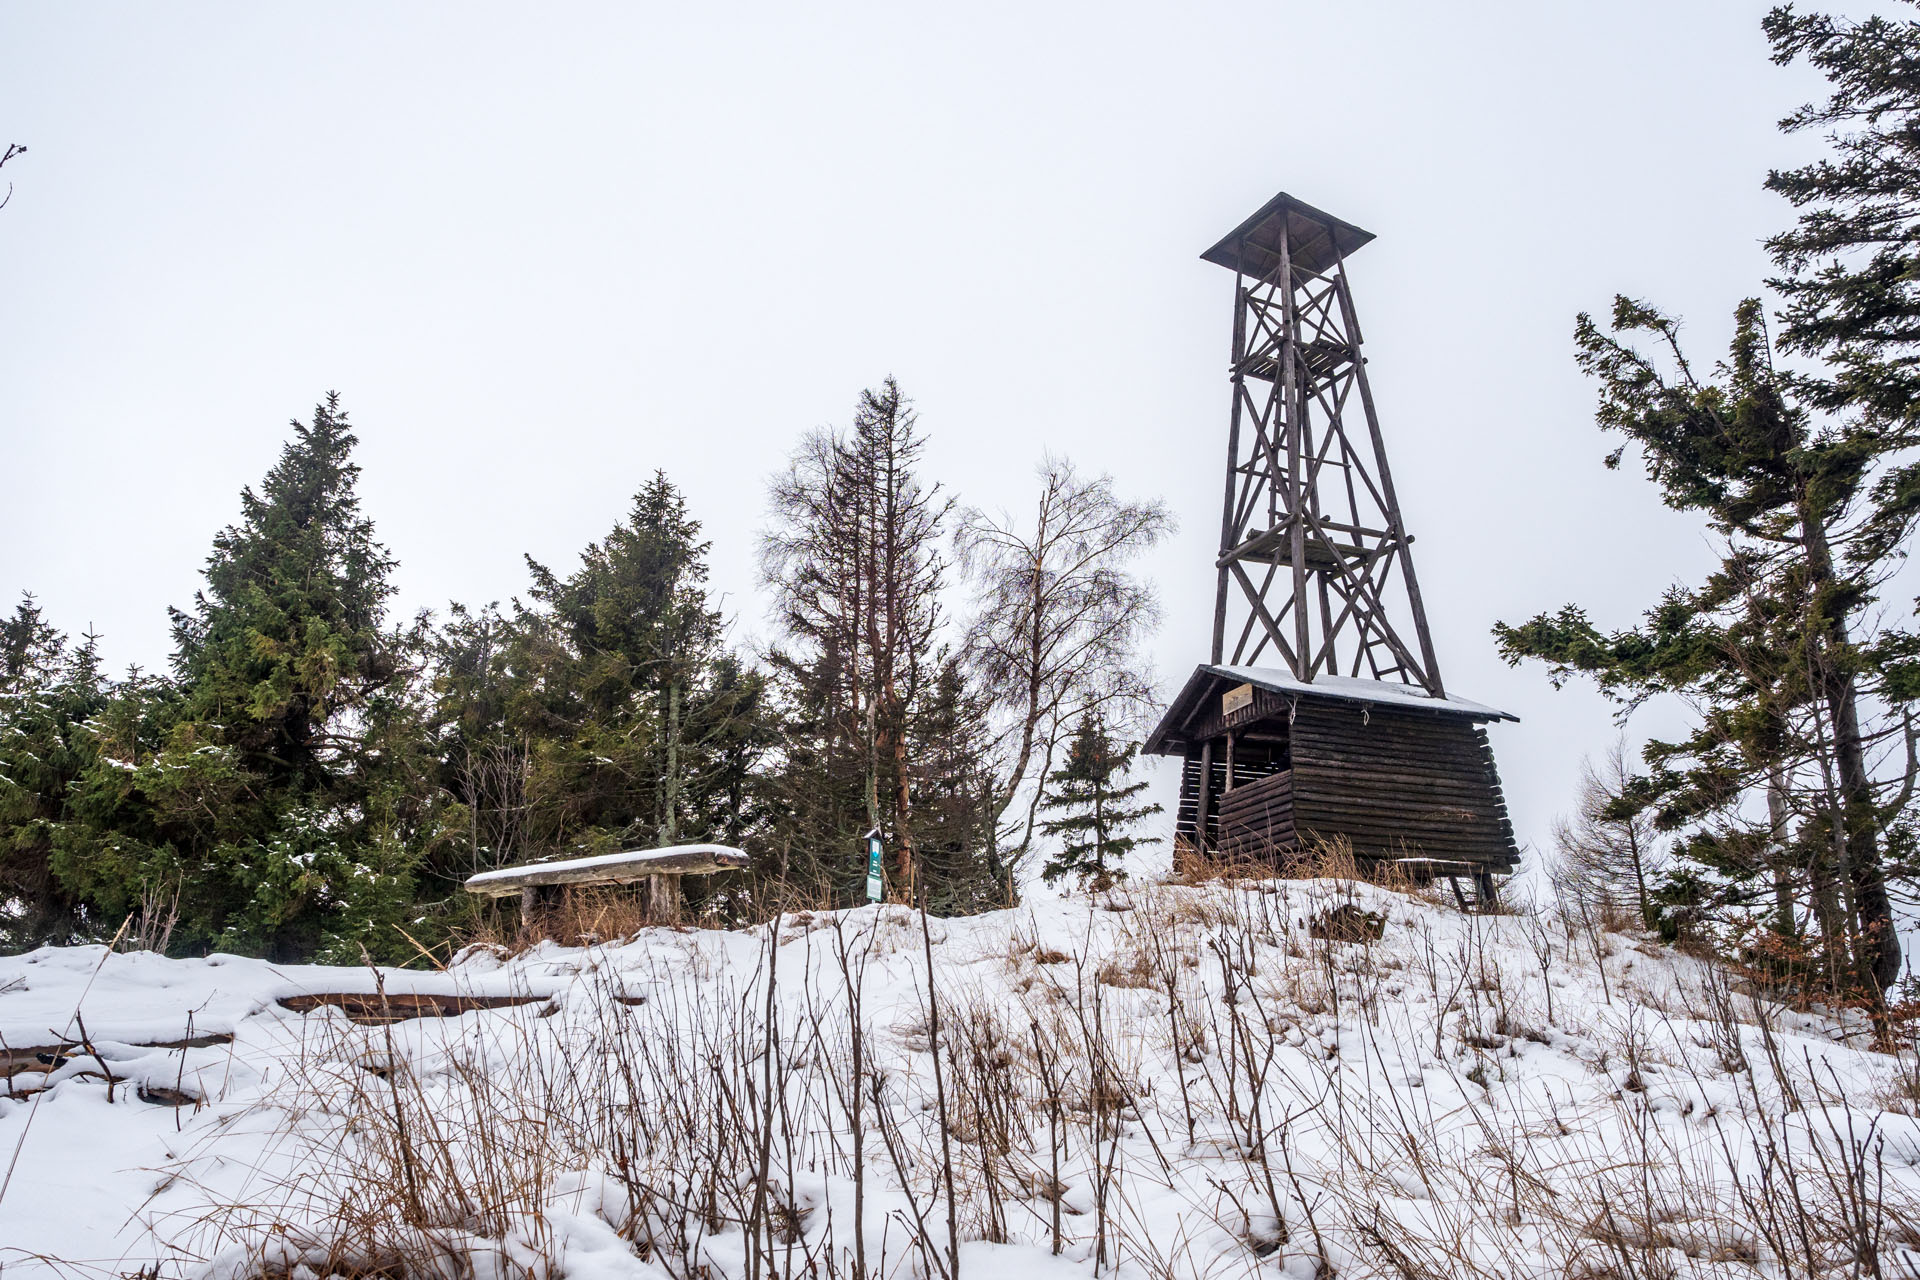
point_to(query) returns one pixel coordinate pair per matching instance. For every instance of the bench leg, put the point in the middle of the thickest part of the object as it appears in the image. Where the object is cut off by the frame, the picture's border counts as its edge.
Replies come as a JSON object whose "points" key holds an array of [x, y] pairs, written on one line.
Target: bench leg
{"points": [[663, 899], [537, 902]]}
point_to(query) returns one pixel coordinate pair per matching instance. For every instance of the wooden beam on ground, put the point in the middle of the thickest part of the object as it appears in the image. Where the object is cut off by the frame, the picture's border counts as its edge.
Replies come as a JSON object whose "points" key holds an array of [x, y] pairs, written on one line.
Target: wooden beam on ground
{"points": [[374, 1009]]}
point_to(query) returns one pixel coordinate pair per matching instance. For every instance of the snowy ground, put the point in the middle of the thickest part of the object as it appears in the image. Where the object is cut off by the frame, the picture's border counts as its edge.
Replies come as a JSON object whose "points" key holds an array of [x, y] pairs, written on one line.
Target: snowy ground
{"points": [[1167, 1082]]}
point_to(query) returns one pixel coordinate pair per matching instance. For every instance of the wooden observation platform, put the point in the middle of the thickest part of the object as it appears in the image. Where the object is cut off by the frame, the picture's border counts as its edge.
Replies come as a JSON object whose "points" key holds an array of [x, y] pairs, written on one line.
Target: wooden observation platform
{"points": [[1329, 722]]}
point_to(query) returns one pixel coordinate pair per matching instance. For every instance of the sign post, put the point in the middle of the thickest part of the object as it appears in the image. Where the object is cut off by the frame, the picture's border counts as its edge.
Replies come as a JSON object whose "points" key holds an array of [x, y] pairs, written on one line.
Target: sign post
{"points": [[873, 865]]}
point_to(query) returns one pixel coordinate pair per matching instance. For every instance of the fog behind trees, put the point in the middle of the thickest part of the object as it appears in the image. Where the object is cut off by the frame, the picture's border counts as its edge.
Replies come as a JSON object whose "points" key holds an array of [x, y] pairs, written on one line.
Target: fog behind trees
{"points": [[541, 258]]}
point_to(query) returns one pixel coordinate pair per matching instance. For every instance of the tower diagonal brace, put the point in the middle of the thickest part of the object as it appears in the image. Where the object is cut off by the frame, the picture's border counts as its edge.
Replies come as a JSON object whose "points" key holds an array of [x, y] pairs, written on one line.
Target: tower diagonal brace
{"points": [[1298, 378]]}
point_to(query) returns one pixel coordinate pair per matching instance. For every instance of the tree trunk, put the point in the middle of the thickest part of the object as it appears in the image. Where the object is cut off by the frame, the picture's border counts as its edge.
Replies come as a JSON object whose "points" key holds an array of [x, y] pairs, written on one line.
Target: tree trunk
{"points": [[1785, 918], [903, 811], [670, 776], [1030, 718], [1879, 950]]}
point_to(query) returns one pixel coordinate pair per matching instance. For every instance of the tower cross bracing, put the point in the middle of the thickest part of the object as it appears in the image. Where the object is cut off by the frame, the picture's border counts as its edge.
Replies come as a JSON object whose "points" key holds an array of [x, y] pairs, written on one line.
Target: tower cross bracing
{"points": [[1315, 569]]}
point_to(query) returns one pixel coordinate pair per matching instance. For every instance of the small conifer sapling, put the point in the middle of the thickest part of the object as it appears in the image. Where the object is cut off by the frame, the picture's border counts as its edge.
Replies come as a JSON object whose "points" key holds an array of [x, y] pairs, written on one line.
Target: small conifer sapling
{"points": [[1090, 795]]}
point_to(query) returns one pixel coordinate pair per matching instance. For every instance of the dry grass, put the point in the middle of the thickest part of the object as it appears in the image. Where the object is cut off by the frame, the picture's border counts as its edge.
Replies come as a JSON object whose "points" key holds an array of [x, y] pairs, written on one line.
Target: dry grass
{"points": [[1211, 1088]]}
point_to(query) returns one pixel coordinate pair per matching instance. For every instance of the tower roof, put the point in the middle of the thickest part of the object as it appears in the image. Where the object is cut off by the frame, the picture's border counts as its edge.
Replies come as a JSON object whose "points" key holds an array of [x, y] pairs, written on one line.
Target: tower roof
{"points": [[1315, 239]]}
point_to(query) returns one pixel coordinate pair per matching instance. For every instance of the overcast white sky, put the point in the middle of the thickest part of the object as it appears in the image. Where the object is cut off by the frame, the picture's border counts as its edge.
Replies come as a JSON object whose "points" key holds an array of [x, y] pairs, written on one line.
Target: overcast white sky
{"points": [[542, 250]]}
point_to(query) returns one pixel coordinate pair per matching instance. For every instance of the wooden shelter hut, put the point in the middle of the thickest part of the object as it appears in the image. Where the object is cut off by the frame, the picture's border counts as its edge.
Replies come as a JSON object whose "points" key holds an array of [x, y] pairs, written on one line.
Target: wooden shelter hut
{"points": [[1272, 767]]}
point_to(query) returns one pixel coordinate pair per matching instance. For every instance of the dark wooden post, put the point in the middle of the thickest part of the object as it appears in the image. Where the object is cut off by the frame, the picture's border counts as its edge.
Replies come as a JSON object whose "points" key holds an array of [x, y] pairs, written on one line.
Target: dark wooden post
{"points": [[1395, 525], [1202, 801], [1288, 394], [663, 899], [1228, 534]]}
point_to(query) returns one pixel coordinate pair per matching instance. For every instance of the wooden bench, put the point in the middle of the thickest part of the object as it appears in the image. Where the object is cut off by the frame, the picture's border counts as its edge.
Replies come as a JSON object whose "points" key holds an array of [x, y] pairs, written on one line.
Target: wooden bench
{"points": [[540, 884], [1452, 870]]}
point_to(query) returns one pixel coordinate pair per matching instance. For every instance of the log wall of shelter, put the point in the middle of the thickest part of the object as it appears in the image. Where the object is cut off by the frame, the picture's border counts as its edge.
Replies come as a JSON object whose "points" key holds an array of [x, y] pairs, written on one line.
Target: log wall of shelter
{"points": [[1257, 818], [1399, 783]]}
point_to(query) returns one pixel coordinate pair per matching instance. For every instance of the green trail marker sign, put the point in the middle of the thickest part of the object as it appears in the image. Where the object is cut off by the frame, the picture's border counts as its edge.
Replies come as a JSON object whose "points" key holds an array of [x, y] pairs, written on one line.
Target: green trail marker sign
{"points": [[873, 865]]}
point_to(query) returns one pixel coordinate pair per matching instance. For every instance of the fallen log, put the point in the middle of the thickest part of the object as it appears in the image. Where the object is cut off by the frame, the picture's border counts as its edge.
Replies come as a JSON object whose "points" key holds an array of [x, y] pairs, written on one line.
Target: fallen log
{"points": [[46, 1057], [371, 1009]]}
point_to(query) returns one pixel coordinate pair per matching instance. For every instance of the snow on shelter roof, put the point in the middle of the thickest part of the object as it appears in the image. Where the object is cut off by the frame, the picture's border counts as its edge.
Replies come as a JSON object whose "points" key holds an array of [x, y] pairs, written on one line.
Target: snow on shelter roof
{"points": [[1358, 689], [1343, 688]]}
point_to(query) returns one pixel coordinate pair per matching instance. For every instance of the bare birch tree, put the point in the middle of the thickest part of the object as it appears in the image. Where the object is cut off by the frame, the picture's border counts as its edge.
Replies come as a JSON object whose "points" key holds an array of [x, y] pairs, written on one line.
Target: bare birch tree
{"points": [[1606, 851], [1059, 619]]}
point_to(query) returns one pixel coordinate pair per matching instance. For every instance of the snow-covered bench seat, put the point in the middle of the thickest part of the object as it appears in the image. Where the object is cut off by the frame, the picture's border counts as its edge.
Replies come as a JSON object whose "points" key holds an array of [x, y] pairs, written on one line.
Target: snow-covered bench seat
{"points": [[540, 883]]}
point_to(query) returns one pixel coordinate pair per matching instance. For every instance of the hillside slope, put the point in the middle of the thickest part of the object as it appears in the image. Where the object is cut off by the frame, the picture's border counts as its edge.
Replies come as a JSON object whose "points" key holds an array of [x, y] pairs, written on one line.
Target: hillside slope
{"points": [[1168, 1081]]}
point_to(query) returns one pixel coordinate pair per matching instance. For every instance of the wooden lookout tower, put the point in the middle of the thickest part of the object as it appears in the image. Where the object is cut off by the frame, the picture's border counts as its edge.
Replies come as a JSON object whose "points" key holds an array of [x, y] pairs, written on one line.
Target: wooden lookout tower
{"points": [[1330, 721]]}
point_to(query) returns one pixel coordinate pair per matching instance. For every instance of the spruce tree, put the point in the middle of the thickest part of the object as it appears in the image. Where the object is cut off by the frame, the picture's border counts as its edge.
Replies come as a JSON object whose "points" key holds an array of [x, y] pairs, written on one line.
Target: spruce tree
{"points": [[734, 728], [1809, 476], [1798, 683], [856, 563], [277, 787], [288, 637], [482, 756], [1851, 262], [118, 847], [1090, 792], [815, 787], [608, 712], [50, 691], [957, 794]]}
